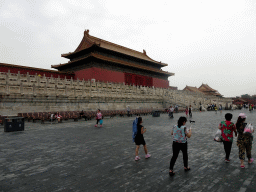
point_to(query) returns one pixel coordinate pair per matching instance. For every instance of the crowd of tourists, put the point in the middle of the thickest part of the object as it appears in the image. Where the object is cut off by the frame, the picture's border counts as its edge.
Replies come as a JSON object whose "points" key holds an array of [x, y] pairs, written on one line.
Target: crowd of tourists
{"points": [[180, 134]]}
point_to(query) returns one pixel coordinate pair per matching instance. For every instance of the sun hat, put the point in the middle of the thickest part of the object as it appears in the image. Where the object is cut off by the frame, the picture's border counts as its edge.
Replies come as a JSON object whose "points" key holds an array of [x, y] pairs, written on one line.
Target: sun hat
{"points": [[242, 115]]}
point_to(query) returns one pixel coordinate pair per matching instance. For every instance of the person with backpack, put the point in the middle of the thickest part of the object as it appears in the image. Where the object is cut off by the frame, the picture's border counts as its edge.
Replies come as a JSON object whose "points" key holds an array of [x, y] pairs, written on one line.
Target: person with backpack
{"points": [[227, 128], [244, 141], [139, 139], [180, 134]]}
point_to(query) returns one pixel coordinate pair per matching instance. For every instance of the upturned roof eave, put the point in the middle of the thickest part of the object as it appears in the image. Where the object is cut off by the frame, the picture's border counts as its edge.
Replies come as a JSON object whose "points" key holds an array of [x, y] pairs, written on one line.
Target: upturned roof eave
{"points": [[70, 54], [114, 61]]}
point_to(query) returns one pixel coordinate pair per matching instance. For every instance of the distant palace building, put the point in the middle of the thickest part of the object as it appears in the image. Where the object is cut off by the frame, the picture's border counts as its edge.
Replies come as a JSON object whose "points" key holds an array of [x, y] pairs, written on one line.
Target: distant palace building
{"points": [[104, 61], [204, 88], [101, 60]]}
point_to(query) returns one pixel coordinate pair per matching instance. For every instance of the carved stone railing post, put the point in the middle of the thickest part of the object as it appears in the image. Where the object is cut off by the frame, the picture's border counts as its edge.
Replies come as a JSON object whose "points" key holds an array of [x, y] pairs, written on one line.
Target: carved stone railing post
{"points": [[66, 90]]}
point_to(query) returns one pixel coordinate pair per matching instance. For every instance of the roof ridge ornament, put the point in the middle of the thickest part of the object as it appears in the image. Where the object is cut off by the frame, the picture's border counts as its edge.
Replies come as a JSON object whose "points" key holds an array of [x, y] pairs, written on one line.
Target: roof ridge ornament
{"points": [[144, 52], [86, 32]]}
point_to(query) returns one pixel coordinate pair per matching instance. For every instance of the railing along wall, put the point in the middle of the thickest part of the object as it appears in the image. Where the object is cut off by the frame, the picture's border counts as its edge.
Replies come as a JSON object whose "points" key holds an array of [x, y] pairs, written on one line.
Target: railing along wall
{"points": [[26, 84]]}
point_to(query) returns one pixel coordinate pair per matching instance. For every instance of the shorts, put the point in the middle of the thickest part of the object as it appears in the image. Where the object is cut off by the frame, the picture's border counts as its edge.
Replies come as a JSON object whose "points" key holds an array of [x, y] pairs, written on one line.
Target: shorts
{"points": [[140, 141]]}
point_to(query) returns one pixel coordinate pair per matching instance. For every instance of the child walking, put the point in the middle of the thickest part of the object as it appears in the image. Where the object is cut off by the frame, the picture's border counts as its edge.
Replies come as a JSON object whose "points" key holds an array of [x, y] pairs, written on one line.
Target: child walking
{"points": [[227, 128], [98, 118], [180, 134], [139, 140], [244, 142]]}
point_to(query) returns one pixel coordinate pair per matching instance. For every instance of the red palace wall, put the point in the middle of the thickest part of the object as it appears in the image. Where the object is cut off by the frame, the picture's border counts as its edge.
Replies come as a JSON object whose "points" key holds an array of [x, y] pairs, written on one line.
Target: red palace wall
{"points": [[134, 79], [160, 83], [33, 72], [100, 75], [114, 76]]}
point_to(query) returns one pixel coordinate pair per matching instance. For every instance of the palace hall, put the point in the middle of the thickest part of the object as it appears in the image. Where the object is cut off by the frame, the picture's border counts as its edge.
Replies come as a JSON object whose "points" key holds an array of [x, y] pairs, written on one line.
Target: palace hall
{"points": [[104, 61]]}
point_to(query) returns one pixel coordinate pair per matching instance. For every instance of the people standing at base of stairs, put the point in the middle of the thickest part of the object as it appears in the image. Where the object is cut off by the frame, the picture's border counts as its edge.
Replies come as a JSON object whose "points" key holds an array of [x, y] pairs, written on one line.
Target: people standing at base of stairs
{"points": [[220, 108], [215, 109], [176, 108], [227, 128], [190, 111], [250, 107], [99, 118], [82, 115], [139, 140], [180, 134], [186, 111], [128, 111], [58, 117]]}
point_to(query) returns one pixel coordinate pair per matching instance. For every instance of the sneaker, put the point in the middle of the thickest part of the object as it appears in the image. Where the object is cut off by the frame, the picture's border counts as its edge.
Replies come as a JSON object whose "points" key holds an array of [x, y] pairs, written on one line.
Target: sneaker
{"points": [[96, 125], [251, 160], [137, 158], [227, 160], [100, 125], [147, 156]]}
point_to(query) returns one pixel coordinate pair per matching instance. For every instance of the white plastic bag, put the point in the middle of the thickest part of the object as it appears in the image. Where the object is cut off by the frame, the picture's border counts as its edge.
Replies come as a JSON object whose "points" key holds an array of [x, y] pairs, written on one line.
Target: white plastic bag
{"points": [[218, 136], [248, 130]]}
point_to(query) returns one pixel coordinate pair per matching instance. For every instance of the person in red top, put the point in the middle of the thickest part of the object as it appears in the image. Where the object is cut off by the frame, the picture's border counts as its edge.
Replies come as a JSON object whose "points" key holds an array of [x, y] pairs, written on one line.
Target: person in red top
{"points": [[58, 116], [98, 118], [227, 128]]}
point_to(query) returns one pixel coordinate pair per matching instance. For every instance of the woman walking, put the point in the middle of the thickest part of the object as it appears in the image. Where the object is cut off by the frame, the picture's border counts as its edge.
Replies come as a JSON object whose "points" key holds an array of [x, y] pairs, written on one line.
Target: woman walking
{"points": [[190, 111], [180, 134], [244, 142], [98, 118], [227, 128], [186, 111], [139, 140], [220, 108]]}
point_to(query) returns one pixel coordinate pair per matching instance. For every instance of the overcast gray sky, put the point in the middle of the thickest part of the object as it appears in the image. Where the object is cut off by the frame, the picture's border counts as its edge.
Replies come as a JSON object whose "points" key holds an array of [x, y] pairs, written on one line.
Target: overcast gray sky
{"points": [[202, 41]]}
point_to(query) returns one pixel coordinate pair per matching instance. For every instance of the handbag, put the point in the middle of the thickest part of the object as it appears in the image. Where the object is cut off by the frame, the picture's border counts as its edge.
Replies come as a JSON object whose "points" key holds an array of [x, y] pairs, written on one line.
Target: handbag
{"points": [[101, 121], [217, 137]]}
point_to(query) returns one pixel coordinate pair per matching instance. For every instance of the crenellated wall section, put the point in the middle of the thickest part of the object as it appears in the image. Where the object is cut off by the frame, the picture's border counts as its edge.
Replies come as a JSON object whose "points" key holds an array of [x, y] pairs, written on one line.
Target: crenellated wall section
{"points": [[30, 93]]}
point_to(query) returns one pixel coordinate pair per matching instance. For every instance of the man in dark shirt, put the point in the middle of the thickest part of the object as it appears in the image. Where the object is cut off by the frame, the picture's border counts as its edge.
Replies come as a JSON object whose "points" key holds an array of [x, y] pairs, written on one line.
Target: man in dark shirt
{"points": [[82, 115]]}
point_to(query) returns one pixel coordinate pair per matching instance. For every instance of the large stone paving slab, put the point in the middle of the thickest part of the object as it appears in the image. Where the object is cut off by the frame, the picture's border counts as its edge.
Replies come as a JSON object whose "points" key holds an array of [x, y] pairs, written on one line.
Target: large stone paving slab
{"points": [[76, 156]]}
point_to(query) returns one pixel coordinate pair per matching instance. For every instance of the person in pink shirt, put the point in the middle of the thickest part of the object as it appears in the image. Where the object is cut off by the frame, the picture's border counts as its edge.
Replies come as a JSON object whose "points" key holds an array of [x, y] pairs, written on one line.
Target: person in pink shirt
{"points": [[99, 118], [186, 111]]}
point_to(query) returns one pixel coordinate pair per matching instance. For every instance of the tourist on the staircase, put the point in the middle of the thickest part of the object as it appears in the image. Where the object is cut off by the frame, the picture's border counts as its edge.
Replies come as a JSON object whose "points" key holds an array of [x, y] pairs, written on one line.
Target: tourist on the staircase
{"points": [[99, 118], [139, 140], [227, 128], [244, 141], [180, 134]]}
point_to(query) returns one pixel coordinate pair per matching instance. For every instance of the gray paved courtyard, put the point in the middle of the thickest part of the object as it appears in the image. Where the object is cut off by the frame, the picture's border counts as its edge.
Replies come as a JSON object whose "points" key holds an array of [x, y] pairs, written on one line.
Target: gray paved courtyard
{"points": [[76, 156]]}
